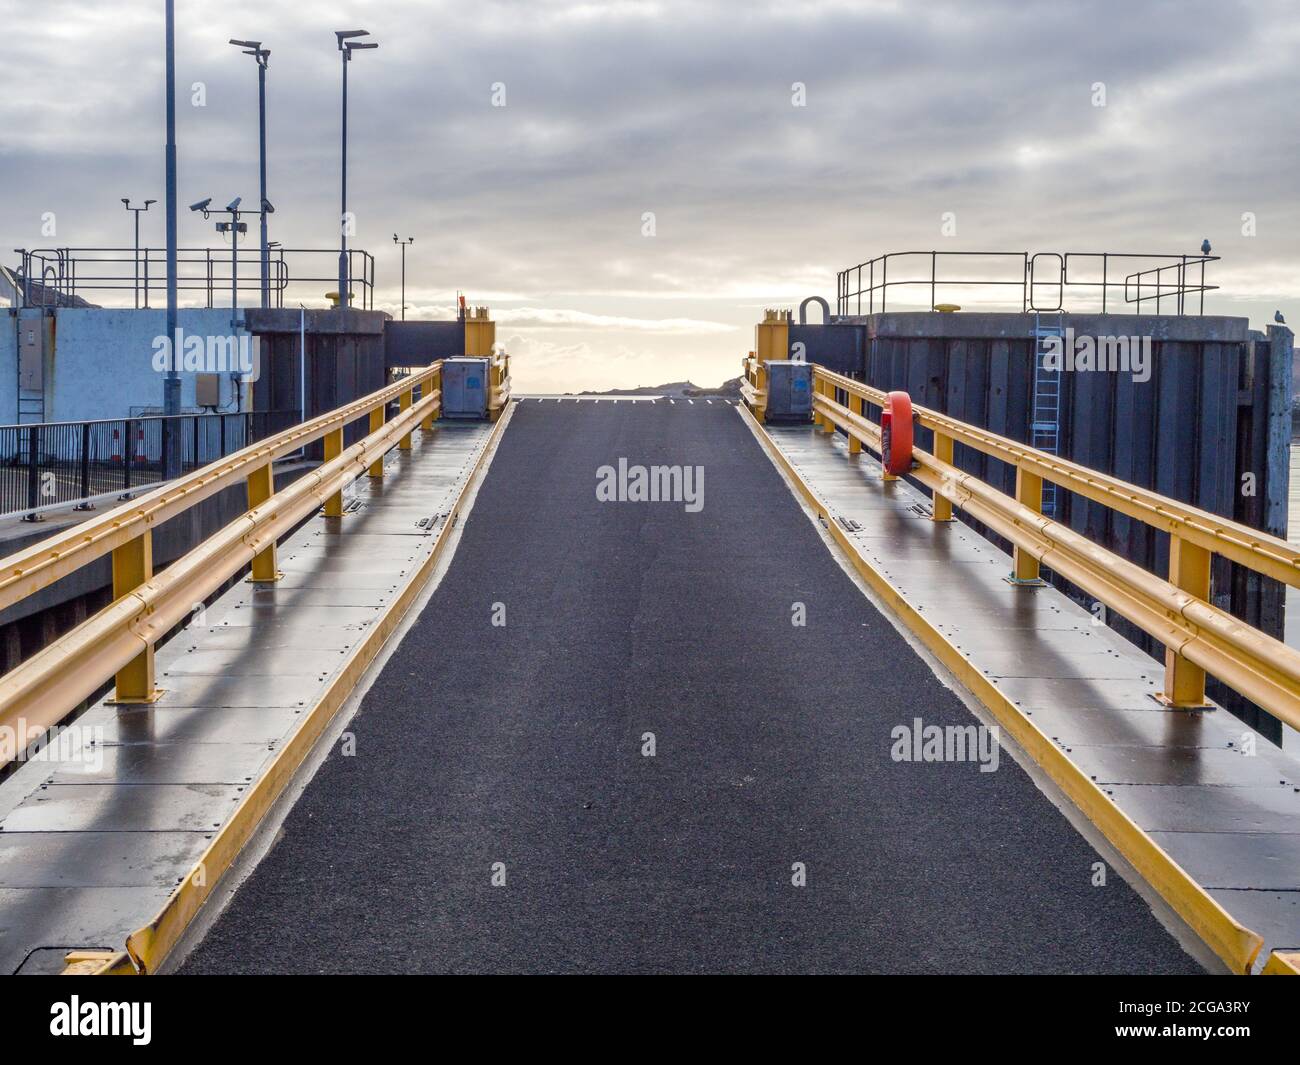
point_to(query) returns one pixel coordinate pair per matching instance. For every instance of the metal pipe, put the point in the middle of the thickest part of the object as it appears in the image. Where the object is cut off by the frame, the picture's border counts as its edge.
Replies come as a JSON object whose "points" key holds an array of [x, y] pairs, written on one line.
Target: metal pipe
{"points": [[261, 124], [343, 209], [172, 382]]}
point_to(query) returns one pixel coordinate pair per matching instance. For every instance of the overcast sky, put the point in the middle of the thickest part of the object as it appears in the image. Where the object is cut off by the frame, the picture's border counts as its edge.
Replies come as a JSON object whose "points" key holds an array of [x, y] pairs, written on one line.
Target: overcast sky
{"points": [[688, 111]]}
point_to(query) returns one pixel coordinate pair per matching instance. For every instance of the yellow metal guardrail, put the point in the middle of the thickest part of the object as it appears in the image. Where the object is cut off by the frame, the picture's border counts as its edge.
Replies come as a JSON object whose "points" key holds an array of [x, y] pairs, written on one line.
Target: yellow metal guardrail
{"points": [[499, 384], [1199, 637], [1236, 945], [119, 641], [753, 386], [149, 947]]}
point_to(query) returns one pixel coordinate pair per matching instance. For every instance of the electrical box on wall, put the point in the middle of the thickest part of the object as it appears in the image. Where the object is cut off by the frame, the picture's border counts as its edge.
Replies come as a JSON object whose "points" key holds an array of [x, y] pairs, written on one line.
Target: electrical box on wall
{"points": [[33, 342], [207, 390]]}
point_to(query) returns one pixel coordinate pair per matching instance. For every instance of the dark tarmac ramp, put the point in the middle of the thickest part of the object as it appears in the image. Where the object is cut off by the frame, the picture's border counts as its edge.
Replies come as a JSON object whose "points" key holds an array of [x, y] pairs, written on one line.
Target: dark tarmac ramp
{"points": [[522, 744]]}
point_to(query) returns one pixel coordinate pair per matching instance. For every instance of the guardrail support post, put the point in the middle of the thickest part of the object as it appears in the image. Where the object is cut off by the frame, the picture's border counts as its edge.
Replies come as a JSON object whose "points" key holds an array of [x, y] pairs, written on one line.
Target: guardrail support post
{"points": [[333, 449], [857, 405], [427, 389], [942, 506], [404, 402], [377, 423], [1189, 572], [132, 566], [261, 487], [1029, 493], [494, 383]]}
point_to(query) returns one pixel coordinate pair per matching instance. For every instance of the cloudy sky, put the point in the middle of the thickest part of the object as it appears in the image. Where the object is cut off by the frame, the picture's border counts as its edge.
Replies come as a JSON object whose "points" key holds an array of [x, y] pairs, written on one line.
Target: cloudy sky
{"points": [[910, 111]]}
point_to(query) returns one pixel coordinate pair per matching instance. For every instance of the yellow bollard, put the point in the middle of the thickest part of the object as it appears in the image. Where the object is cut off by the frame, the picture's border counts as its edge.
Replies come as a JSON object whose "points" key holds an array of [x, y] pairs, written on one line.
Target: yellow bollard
{"points": [[132, 566], [261, 487], [1189, 571]]}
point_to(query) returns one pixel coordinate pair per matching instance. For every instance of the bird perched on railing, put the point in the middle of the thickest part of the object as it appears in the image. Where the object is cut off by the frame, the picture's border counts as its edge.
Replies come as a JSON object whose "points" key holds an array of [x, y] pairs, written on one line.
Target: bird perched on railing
{"points": [[1205, 247]]}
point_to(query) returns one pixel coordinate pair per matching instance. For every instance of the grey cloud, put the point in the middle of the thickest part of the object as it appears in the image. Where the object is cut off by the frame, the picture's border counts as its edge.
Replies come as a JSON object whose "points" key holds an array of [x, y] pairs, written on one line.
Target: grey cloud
{"points": [[684, 110]]}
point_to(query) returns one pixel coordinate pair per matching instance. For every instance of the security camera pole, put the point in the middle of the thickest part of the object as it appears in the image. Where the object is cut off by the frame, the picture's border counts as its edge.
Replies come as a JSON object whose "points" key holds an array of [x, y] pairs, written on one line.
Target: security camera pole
{"points": [[233, 229], [136, 211], [172, 382], [346, 47], [255, 49]]}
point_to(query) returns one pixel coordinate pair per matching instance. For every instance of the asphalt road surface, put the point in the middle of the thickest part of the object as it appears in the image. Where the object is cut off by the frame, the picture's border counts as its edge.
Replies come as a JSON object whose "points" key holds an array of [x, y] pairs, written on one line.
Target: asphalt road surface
{"points": [[515, 752]]}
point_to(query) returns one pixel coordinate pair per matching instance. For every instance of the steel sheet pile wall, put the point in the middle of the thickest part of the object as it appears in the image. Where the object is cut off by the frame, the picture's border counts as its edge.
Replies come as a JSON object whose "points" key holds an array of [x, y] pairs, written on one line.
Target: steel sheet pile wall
{"points": [[1202, 422], [345, 360]]}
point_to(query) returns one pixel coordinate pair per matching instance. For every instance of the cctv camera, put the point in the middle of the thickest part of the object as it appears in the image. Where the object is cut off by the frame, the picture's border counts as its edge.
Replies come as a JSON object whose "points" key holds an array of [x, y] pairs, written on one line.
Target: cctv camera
{"points": [[233, 205], [202, 205]]}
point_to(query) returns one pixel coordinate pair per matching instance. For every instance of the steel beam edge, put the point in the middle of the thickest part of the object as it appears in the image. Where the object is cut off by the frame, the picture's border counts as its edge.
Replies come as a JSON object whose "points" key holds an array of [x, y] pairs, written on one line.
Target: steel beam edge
{"points": [[1283, 963]]}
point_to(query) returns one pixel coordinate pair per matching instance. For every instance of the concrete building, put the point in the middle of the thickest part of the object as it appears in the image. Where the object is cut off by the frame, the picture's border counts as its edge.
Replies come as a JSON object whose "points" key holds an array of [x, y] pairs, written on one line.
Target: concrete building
{"points": [[75, 363]]}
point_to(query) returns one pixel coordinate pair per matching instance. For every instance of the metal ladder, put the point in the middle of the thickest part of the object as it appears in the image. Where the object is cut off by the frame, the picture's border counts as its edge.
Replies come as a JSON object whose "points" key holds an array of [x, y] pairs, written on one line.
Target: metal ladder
{"points": [[31, 406], [1045, 419]]}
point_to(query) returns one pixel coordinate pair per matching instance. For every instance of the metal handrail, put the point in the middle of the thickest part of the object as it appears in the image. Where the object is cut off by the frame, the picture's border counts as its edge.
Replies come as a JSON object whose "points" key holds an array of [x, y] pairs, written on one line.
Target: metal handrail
{"points": [[62, 273], [46, 464], [878, 282], [28, 571], [1196, 633], [119, 640]]}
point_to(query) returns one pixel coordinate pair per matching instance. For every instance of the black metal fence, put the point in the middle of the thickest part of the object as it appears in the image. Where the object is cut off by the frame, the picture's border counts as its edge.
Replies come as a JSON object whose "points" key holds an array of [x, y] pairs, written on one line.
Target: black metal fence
{"points": [[1109, 282], [50, 277], [48, 463]]}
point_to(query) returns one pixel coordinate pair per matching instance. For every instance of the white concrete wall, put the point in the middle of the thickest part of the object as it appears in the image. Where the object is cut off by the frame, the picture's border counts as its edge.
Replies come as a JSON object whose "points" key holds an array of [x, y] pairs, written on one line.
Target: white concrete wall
{"points": [[102, 364], [8, 368]]}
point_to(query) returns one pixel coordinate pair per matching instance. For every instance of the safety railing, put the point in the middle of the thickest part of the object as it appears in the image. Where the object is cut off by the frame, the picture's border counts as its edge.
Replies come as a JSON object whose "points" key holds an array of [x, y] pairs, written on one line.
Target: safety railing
{"points": [[45, 464], [753, 384], [118, 643], [60, 277], [1199, 637], [499, 384], [1029, 281]]}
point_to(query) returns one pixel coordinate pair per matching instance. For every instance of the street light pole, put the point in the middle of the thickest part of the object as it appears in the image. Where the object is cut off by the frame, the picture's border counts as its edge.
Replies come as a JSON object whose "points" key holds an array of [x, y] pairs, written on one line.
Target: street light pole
{"points": [[266, 209], [172, 382], [136, 211], [346, 47], [403, 243], [343, 208], [262, 55]]}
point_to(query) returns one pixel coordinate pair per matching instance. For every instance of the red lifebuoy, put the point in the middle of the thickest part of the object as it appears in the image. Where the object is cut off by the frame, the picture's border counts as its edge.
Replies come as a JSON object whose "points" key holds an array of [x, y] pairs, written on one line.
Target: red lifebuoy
{"points": [[896, 434]]}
